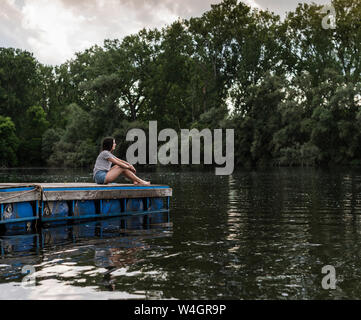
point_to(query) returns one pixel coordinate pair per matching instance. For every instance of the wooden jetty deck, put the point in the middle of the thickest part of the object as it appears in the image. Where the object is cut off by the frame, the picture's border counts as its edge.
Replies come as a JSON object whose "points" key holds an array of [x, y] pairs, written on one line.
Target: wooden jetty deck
{"points": [[25, 203]]}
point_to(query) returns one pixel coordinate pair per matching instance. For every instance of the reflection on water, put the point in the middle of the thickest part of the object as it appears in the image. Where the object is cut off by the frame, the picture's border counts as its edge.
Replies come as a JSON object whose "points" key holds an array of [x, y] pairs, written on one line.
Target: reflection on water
{"points": [[251, 235], [121, 227], [109, 248]]}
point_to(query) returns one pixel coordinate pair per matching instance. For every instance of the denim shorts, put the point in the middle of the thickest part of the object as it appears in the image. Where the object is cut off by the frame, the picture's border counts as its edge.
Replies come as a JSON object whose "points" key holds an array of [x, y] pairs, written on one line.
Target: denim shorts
{"points": [[100, 176]]}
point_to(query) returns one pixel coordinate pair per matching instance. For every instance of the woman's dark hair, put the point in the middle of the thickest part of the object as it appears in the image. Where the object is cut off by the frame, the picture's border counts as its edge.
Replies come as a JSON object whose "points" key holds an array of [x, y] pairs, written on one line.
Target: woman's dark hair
{"points": [[107, 143]]}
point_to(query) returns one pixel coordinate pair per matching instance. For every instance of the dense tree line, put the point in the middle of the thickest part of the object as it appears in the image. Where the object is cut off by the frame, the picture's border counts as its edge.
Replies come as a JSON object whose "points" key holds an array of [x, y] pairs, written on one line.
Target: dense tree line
{"points": [[290, 88]]}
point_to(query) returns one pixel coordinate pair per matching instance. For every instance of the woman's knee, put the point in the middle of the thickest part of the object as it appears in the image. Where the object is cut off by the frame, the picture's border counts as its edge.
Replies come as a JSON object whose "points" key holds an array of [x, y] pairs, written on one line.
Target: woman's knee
{"points": [[113, 173]]}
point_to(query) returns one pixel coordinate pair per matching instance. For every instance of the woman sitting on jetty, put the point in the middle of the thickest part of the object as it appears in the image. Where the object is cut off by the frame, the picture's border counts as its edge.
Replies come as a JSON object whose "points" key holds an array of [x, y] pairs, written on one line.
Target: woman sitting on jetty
{"points": [[103, 173]]}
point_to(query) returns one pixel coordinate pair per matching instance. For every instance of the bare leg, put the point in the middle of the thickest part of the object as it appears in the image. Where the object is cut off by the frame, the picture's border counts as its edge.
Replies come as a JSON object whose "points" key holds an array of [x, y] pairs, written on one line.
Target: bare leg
{"points": [[136, 180], [114, 173]]}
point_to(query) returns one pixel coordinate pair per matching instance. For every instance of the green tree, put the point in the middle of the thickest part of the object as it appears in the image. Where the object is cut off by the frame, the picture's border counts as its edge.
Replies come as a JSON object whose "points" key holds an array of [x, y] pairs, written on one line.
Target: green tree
{"points": [[263, 119], [77, 146], [8, 142], [31, 139], [17, 83]]}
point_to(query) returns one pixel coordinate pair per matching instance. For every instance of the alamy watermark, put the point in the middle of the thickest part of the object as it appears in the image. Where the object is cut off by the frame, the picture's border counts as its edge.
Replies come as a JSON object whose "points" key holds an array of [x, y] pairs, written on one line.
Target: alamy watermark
{"points": [[29, 281], [328, 21], [169, 152], [329, 280]]}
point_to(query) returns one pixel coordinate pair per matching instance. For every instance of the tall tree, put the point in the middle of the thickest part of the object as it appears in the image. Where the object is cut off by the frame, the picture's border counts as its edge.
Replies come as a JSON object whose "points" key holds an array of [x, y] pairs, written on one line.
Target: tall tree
{"points": [[17, 83]]}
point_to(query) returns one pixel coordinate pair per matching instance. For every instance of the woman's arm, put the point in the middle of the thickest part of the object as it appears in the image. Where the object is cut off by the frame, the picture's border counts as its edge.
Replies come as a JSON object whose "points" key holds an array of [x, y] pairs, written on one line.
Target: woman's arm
{"points": [[122, 163], [128, 164]]}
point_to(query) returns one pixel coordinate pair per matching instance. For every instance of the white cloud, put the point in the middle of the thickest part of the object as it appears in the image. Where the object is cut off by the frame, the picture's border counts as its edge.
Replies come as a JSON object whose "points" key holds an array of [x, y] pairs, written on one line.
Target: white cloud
{"points": [[281, 7], [252, 3], [11, 32], [55, 29]]}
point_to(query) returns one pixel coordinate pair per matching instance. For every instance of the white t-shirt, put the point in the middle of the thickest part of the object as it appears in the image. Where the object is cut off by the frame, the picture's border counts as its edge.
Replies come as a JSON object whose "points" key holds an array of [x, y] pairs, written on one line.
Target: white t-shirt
{"points": [[102, 162]]}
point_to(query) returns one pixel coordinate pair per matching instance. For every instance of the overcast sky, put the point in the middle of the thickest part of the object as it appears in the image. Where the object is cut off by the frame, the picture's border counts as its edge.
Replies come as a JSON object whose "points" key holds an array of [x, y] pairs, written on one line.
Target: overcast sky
{"points": [[55, 29]]}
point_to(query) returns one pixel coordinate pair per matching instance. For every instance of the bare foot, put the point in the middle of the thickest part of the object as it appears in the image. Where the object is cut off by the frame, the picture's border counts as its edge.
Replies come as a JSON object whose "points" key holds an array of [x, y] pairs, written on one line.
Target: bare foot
{"points": [[142, 183]]}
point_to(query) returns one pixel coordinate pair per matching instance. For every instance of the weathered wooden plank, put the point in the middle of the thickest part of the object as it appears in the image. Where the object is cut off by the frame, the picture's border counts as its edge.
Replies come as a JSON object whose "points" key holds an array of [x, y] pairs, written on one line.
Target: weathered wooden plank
{"points": [[89, 185], [16, 185], [105, 194], [43, 190], [20, 196], [70, 185]]}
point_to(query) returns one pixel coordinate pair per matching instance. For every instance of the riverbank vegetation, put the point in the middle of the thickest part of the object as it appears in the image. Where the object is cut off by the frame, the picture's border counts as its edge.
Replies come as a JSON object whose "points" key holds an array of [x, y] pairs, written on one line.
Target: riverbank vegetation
{"points": [[288, 87]]}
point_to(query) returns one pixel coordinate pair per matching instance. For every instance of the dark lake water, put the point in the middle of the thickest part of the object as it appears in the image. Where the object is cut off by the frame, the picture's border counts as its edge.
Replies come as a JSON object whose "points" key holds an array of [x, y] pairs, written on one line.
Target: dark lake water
{"points": [[251, 235]]}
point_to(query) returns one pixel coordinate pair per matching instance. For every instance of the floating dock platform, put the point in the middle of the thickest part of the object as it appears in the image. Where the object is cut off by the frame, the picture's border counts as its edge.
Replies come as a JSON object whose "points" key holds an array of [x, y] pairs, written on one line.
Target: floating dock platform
{"points": [[25, 204]]}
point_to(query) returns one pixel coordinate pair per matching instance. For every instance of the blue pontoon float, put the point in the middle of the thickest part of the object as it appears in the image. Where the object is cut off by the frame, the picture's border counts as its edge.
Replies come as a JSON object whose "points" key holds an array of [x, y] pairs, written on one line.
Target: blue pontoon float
{"points": [[24, 205]]}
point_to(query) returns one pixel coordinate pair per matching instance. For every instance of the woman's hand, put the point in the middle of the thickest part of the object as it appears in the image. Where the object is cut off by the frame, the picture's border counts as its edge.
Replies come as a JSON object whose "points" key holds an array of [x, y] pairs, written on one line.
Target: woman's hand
{"points": [[123, 164]]}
